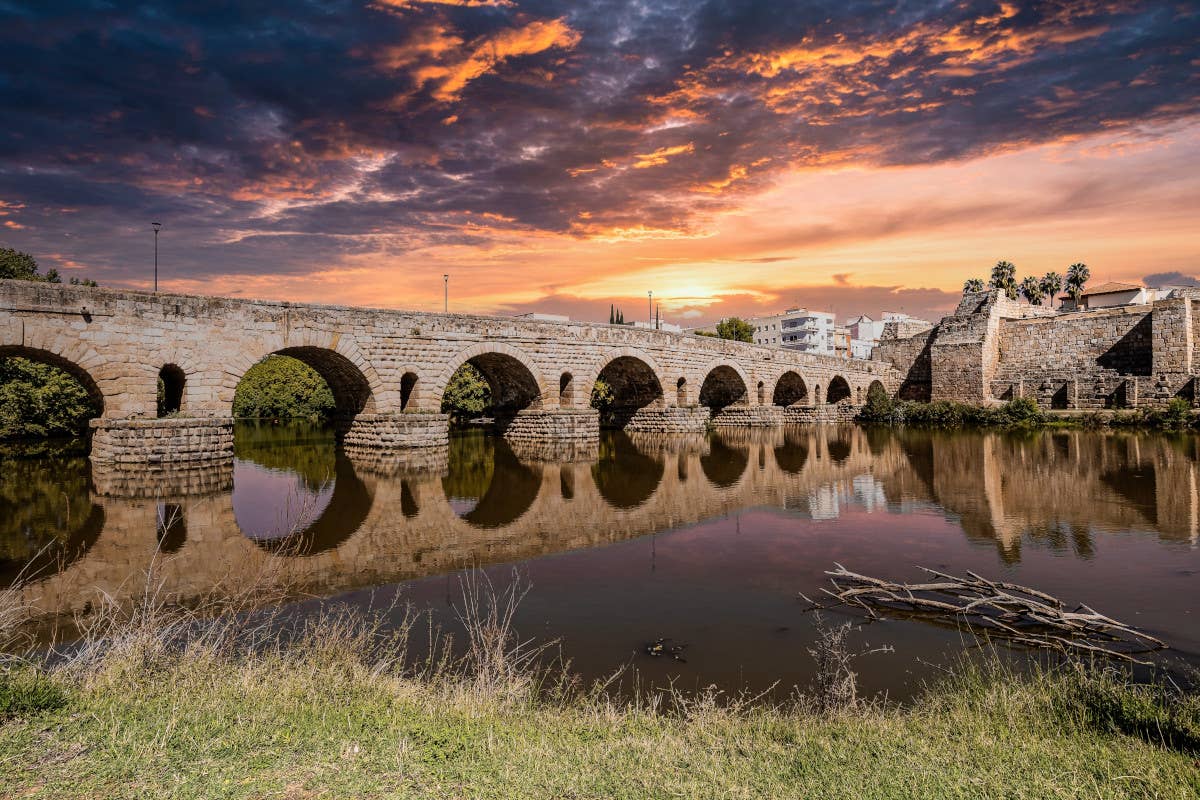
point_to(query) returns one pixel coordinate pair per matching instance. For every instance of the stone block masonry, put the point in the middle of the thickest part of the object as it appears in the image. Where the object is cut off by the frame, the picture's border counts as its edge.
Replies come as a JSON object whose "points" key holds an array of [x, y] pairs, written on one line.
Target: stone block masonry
{"points": [[388, 370], [161, 441], [993, 349]]}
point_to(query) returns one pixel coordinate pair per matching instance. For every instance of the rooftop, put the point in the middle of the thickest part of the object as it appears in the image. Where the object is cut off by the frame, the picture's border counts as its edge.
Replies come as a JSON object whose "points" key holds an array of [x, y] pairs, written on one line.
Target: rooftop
{"points": [[1112, 287]]}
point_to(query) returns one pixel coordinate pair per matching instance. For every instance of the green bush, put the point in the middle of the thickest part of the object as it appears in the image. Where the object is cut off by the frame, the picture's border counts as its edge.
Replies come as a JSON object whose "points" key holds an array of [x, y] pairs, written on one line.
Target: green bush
{"points": [[467, 395], [38, 400], [1020, 413], [281, 387], [602, 395], [28, 691]]}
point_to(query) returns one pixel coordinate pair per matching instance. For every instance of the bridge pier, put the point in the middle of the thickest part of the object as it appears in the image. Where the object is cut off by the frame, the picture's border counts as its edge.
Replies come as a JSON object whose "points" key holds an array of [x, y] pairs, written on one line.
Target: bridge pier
{"points": [[825, 412], [685, 419], [162, 441], [558, 425], [749, 417], [395, 431]]}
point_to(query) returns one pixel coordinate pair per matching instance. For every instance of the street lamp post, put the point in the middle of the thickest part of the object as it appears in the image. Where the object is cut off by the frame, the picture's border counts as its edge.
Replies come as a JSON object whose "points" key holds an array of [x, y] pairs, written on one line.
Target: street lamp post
{"points": [[157, 227], [446, 294], [650, 305]]}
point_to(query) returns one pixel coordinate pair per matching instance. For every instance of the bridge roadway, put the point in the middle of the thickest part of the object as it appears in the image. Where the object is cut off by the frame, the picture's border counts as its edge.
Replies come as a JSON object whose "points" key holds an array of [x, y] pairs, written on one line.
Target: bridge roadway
{"points": [[389, 369]]}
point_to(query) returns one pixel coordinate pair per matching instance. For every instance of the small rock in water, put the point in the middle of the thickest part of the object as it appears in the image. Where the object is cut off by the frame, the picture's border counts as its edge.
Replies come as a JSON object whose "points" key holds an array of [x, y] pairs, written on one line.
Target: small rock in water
{"points": [[663, 647]]}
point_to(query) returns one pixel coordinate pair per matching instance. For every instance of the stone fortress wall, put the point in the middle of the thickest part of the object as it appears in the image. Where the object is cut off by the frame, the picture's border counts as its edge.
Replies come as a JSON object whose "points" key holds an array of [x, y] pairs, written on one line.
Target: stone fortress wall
{"points": [[389, 369], [993, 349]]}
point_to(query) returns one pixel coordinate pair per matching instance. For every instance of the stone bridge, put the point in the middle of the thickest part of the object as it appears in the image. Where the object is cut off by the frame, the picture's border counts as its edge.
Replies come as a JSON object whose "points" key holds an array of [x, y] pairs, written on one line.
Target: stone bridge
{"points": [[389, 369]]}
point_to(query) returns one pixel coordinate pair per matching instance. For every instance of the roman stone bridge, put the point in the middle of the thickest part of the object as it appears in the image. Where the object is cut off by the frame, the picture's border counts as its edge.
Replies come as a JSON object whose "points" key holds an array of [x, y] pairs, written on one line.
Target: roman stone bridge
{"points": [[389, 369]]}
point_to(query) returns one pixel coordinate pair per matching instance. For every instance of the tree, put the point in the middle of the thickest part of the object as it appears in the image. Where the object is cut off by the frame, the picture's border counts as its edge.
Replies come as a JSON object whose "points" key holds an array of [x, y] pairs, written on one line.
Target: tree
{"points": [[1031, 289], [1051, 285], [16, 265], [467, 395], [1004, 277], [620, 317], [602, 395], [39, 400], [1077, 275], [735, 329], [612, 314], [281, 387], [972, 286]]}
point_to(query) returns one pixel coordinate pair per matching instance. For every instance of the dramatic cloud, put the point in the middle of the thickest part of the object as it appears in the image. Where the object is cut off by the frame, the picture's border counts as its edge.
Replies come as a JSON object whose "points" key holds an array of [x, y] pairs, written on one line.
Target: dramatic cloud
{"points": [[309, 149]]}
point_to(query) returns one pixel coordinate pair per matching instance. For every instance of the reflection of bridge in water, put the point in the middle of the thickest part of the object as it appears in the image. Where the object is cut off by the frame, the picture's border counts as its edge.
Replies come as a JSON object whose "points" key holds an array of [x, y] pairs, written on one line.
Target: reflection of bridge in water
{"points": [[394, 518]]}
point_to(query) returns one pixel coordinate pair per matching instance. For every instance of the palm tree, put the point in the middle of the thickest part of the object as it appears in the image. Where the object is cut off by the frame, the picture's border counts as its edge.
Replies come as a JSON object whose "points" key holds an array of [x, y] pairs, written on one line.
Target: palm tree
{"points": [[1051, 285], [972, 286], [1004, 277], [1077, 275], [1031, 288]]}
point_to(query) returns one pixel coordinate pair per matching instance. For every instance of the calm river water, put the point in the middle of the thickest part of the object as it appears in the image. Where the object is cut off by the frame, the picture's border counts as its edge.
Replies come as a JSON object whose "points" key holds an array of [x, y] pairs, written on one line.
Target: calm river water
{"points": [[706, 540]]}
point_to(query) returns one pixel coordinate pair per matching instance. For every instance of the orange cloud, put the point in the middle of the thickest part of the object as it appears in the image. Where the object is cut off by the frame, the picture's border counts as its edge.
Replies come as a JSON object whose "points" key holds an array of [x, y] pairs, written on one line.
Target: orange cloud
{"points": [[439, 58], [661, 156]]}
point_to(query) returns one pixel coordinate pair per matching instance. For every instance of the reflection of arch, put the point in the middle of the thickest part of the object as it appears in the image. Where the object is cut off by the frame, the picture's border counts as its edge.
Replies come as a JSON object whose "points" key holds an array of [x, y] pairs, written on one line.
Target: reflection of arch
{"points": [[48, 519], [723, 465], [839, 390], [486, 483], [66, 365], [268, 451], [173, 383], [170, 527], [792, 455], [723, 386], [839, 450], [790, 390], [625, 476], [514, 380]]}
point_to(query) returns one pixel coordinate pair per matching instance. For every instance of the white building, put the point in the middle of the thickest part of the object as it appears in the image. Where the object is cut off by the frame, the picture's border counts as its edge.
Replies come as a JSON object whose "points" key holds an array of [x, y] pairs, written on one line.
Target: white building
{"points": [[796, 329], [865, 332]]}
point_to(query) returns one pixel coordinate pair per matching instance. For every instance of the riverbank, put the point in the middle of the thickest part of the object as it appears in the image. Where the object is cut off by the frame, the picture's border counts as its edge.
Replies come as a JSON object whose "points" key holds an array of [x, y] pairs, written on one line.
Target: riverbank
{"points": [[1024, 414], [187, 710]]}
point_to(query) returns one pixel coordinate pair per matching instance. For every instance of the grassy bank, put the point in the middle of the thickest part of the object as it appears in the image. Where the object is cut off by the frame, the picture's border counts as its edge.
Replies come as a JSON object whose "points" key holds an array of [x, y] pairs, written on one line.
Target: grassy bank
{"points": [[154, 708], [1022, 414]]}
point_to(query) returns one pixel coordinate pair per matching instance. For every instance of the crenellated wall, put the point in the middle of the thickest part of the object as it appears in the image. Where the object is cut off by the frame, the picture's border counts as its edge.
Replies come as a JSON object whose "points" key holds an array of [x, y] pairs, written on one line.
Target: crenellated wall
{"points": [[994, 349]]}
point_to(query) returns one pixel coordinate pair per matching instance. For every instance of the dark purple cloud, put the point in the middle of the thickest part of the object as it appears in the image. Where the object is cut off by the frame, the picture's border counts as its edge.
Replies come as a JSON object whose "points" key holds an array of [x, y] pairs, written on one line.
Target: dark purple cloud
{"points": [[280, 136]]}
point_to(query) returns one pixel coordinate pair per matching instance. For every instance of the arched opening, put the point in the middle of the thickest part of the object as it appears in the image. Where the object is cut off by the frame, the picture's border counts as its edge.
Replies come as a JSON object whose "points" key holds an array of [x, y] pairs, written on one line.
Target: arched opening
{"points": [[839, 390], [26, 373], [408, 390], [625, 476], [681, 398], [303, 383], [723, 464], [790, 390], [723, 387], [877, 389], [625, 385], [171, 382], [495, 386], [762, 394], [858, 394], [566, 390]]}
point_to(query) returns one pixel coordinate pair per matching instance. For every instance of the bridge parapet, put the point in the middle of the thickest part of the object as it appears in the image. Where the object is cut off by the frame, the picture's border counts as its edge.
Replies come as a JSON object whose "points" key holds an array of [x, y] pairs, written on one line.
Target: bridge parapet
{"points": [[388, 369]]}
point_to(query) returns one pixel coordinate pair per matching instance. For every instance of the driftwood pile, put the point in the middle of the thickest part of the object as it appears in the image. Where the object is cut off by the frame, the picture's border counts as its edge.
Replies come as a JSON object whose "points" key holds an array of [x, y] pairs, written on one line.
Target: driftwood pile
{"points": [[1003, 611]]}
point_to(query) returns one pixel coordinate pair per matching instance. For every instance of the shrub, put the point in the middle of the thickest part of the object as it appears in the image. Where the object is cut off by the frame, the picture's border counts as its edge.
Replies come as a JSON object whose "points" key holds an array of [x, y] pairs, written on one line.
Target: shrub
{"points": [[38, 400], [467, 394], [27, 691], [281, 387]]}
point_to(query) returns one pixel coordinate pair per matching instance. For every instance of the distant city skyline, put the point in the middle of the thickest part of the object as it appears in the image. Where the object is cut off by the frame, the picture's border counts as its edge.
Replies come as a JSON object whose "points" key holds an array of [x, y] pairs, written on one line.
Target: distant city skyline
{"points": [[559, 157]]}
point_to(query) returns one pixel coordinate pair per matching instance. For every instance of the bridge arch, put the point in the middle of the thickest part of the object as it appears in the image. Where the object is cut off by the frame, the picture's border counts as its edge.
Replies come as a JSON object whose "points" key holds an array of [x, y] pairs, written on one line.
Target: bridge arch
{"points": [[515, 381], [790, 390], [724, 385], [635, 380], [353, 381], [67, 364], [838, 391]]}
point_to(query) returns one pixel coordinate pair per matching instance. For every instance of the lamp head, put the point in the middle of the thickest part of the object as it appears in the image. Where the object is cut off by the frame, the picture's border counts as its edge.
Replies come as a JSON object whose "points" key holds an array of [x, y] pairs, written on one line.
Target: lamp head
{"points": [[156, 226]]}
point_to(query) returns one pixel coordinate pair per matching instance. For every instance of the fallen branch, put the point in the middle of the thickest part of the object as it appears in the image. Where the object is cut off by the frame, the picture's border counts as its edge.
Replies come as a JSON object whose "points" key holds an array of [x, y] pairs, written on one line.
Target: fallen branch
{"points": [[996, 609]]}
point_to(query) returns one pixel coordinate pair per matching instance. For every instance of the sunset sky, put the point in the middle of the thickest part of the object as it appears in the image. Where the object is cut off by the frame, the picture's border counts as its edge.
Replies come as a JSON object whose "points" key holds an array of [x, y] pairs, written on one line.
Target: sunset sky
{"points": [[561, 155]]}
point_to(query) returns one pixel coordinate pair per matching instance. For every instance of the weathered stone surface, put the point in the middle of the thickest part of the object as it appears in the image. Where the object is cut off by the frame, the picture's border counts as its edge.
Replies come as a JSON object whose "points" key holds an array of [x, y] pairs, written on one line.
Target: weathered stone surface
{"points": [[992, 349], [389, 369]]}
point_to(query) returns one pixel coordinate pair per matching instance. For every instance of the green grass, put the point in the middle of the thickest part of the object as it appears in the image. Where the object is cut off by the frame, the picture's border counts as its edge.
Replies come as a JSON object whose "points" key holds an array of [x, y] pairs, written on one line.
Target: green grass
{"points": [[333, 716]]}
